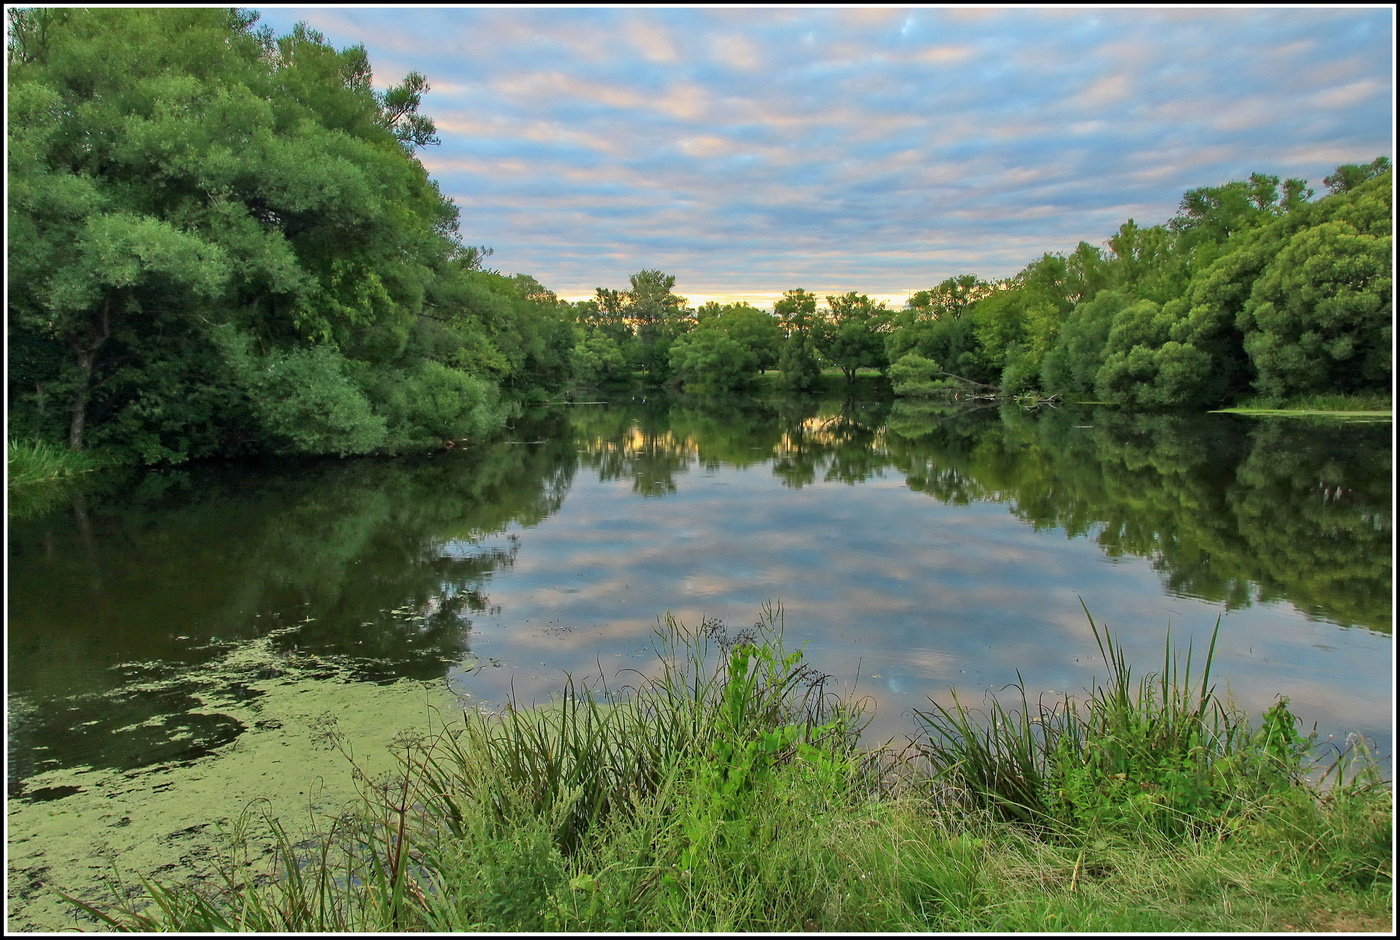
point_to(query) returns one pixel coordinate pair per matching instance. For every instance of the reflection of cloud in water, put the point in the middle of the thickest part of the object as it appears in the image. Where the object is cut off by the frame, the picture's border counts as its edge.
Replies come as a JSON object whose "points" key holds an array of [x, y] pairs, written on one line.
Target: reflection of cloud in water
{"points": [[881, 579]]}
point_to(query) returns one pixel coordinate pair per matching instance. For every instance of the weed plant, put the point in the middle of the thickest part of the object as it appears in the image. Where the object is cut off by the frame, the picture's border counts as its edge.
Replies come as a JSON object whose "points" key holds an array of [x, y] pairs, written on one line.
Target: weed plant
{"points": [[40, 476], [32, 462], [1164, 753], [724, 790]]}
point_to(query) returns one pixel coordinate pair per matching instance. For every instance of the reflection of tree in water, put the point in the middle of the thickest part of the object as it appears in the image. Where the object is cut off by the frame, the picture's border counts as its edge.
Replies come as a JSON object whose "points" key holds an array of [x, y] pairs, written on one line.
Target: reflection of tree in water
{"points": [[429, 627], [1227, 511], [805, 439], [838, 442], [851, 442], [636, 444], [1320, 518], [376, 562]]}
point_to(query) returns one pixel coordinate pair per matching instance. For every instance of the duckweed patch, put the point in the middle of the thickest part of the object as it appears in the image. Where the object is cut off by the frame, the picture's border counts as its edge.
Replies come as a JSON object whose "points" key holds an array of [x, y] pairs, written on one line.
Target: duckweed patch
{"points": [[246, 735]]}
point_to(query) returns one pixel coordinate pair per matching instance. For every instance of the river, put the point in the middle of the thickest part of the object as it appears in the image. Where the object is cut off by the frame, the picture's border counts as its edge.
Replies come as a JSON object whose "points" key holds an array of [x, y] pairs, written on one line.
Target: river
{"points": [[177, 639]]}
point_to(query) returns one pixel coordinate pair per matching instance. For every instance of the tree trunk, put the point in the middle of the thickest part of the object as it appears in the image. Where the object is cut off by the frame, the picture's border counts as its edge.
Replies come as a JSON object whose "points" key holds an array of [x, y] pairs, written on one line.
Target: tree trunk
{"points": [[79, 419], [87, 358]]}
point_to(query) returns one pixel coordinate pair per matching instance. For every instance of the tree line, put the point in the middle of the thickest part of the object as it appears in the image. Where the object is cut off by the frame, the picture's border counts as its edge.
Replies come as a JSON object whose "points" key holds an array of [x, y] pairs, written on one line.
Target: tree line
{"points": [[222, 242], [1251, 289]]}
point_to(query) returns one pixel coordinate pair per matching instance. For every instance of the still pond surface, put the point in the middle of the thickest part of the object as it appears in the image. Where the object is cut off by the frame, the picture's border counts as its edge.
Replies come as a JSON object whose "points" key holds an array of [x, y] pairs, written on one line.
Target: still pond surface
{"points": [[168, 622]]}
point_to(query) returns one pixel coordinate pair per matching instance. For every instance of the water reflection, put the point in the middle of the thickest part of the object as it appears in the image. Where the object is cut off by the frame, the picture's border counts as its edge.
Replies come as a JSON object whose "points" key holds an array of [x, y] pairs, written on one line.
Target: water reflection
{"points": [[923, 546], [378, 566], [1227, 510]]}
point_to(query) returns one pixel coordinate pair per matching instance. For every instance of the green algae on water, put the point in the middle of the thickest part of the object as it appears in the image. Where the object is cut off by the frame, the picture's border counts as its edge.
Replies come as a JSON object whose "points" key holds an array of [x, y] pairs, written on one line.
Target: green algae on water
{"points": [[71, 829]]}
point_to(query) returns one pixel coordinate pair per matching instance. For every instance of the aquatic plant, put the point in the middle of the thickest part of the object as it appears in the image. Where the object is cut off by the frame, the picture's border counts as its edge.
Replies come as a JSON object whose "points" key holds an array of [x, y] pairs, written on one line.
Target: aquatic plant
{"points": [[32, 462]]}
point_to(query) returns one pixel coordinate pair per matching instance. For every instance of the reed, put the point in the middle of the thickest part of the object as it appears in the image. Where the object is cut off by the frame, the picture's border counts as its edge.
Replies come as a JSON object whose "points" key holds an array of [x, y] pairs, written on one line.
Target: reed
{"points": [[1163, 751], [32, 462], [1329, 402]]}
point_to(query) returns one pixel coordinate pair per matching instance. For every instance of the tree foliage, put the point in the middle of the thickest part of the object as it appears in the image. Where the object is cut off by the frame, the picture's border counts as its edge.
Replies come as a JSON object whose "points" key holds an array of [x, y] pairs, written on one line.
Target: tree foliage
{"points": [[850, 335], [1251, 288], [178, 177], [1319, 316], [709, 360]]}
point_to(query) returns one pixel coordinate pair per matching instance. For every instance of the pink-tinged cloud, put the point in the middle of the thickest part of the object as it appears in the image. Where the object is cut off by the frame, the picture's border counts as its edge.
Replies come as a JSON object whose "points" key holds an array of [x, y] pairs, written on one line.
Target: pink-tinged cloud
{"points": [[749, 147]]}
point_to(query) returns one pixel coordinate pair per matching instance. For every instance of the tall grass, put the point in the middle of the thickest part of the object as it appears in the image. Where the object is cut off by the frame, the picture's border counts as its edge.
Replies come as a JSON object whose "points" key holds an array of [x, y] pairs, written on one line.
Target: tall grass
{"points": [[32, 462], [724, 790], [1164, 752]]}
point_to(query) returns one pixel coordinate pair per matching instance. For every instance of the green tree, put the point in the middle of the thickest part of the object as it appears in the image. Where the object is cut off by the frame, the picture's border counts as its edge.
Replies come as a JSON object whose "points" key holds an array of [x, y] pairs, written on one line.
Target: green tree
{"points": [[951, 342], [303, 400], [851, 335], [1145, 264], [798, 369], [1319, 317], [174, 170], [748, 326], [1129, 363], [399, 106], [709, 360], [913, 376], [1210, 216], [1351, 175], [949, 299], [598, 359], [652, 298], [1072, 365], [1215, 213], [653, 313], [796, 313], [999, 323]]}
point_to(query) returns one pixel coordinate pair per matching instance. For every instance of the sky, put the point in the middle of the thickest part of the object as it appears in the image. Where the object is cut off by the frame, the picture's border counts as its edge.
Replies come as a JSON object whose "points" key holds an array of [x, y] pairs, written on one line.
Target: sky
{"points": [[752, 150]]}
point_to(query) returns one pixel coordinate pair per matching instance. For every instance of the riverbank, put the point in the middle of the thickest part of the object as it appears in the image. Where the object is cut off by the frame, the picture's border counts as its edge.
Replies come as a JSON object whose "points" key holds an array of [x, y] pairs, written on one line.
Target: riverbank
{"points": [[726, 791], [1324, 407]]}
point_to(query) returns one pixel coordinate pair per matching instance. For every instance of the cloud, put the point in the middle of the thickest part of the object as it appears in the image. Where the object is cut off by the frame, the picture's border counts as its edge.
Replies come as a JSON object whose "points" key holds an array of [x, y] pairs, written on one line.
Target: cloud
{"points": [[652, 41], [1348, 95], [736, 52], [869, 149]]}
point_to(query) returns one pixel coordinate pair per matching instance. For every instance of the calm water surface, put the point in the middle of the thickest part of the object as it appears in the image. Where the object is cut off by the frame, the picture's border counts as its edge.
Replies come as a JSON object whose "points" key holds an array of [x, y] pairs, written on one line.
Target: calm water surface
{"points": [[911, 550]]}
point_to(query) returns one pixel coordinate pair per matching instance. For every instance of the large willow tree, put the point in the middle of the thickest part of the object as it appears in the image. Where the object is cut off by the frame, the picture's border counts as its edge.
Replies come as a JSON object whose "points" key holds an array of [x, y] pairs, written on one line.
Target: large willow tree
{"points": [[220, 240]]}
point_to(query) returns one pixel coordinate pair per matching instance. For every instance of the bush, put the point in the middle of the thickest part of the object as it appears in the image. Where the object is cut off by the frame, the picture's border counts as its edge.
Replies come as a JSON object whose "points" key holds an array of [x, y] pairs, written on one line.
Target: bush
{"points": [[430, 403], [302, 400], [599, 359], [707, 360], [914, 376]]}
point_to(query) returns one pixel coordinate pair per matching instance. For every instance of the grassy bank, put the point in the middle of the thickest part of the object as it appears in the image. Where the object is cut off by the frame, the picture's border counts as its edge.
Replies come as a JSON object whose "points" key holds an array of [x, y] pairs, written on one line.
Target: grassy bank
{"points": [[39, 475], [726, 790], [1340, 407], [869, 383], [30, 463]]}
